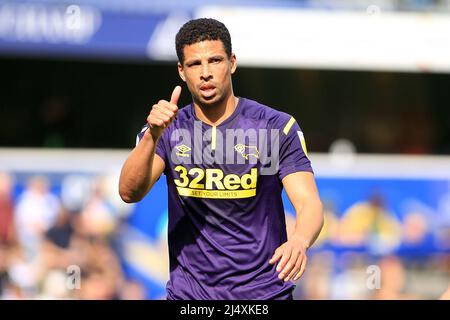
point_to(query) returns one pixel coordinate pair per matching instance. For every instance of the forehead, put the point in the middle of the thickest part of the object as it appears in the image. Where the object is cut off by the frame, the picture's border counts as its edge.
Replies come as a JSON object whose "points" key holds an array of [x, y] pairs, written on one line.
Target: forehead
{"points": [[203, 48]]}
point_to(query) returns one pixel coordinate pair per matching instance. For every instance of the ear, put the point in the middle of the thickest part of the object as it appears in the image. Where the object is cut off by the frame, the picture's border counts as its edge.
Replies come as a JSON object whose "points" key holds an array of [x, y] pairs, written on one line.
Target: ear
{"points": [[233, 63], [181, 72]]}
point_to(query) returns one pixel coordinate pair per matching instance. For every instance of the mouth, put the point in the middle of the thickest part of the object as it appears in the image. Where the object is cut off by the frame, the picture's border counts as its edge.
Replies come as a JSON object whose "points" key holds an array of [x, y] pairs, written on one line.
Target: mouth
{"points": [[208, 90]]}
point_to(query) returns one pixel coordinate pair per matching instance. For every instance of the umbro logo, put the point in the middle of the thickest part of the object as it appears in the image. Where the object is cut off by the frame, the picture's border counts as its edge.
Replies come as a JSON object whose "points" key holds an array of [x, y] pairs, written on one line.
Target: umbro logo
{"points": [[183, 150]]}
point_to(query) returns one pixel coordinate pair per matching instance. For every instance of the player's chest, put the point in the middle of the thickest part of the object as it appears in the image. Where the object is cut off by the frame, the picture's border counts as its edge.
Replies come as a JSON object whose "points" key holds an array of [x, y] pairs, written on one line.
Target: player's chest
{"points": [[218, 163]]}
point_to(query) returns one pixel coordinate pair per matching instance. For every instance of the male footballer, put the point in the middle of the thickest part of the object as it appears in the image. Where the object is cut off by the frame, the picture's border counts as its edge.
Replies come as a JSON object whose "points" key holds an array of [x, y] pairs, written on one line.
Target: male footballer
{"points": [[227, 160]]}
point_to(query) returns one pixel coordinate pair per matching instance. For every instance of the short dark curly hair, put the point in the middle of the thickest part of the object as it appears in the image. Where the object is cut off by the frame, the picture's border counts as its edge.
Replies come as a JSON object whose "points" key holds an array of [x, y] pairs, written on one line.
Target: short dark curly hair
{"points": [[202, 29]]}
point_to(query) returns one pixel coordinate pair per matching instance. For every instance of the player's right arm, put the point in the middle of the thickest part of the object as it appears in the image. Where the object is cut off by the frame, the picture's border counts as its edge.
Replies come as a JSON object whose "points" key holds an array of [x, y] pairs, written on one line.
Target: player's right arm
{"points": [[143, 168]]}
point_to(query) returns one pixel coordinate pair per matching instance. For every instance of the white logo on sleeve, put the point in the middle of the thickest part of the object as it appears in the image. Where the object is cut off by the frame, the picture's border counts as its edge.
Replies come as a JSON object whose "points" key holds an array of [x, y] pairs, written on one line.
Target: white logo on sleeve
{"points": [[303, 142]]}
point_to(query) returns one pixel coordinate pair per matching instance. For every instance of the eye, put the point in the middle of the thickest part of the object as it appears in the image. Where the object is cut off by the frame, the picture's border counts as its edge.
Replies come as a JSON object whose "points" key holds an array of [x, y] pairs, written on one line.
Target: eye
{"points": [[195, 63]]}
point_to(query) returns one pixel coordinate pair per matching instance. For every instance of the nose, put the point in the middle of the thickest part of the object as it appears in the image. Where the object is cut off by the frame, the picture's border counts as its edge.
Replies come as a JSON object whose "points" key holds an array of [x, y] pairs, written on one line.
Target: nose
{"points": [[206, 72]]}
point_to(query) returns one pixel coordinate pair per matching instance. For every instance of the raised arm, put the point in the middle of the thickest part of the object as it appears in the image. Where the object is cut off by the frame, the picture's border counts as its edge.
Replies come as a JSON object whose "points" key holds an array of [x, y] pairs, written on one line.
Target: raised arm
{"points": [[143, 168]]}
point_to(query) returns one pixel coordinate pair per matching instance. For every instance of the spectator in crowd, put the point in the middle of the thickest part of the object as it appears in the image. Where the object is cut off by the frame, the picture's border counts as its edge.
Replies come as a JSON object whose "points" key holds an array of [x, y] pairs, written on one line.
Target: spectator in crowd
{"points": [[369, 223], [98, 217], [36, 212], [393, 280], [6, 209]]}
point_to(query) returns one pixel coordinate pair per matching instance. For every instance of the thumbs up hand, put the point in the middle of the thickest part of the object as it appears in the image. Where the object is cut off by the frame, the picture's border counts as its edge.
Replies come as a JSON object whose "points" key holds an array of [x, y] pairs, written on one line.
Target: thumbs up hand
{"points": [[163, 113]]}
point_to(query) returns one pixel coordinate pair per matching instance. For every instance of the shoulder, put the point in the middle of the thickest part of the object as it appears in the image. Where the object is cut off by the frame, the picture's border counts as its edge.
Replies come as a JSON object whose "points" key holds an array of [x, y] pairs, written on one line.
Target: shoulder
{"points": [[257, 111]]}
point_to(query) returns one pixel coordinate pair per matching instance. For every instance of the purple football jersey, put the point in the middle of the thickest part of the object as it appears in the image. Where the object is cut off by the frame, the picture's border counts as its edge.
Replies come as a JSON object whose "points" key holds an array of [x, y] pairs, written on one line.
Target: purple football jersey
{"points": [[226, 216]]}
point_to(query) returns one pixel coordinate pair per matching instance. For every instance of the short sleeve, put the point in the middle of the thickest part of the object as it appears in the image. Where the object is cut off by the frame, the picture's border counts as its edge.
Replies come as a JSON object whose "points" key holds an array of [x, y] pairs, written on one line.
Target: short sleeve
{"points": [[293, 154], [160, 149]]}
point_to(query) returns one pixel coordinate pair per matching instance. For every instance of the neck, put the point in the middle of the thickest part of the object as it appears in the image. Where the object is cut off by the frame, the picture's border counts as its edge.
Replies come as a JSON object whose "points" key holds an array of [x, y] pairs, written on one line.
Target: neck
{"points": [[215, 114]]}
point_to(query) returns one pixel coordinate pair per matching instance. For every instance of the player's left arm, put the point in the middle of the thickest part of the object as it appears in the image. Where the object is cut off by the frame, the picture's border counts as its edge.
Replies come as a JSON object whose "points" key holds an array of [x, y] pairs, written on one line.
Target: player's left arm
{"points": [[302, 192]]}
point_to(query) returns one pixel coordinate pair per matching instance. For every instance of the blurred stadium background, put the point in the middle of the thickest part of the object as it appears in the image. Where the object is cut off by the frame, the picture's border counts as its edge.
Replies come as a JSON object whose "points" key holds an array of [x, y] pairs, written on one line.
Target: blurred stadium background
{"points": [[368, 82]]}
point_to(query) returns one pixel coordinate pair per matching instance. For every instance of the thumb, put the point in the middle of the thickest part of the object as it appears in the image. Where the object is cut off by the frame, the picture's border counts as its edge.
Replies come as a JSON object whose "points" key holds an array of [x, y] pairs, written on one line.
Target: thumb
{"points": [[175, 95]]}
